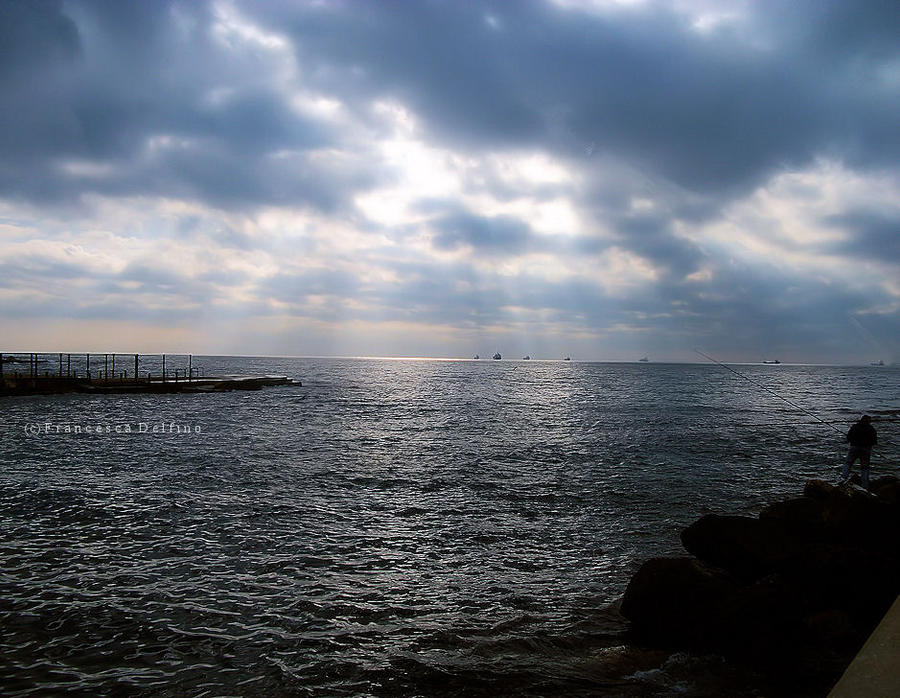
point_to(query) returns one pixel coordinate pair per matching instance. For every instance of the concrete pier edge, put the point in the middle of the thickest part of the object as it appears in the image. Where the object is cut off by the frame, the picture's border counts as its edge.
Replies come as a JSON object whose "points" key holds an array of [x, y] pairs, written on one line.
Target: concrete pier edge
{"points": [[875, 671]]}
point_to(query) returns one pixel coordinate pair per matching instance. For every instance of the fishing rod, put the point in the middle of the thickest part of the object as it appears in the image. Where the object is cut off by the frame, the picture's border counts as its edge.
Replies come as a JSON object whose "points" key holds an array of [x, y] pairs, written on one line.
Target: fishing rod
{"points": [[768, 390]]}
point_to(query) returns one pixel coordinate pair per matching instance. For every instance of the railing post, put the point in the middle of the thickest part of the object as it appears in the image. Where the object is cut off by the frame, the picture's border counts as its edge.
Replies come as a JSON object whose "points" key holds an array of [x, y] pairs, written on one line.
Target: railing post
{"points": [[87, 366], [190, 367], [114, 365], [164, 368], [136, 374], [68, 365]]}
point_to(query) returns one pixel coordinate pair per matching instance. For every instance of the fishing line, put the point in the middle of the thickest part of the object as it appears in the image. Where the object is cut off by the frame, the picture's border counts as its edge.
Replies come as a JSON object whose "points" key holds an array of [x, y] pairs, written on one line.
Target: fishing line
{"points": [[875, 420], [771, 392]]}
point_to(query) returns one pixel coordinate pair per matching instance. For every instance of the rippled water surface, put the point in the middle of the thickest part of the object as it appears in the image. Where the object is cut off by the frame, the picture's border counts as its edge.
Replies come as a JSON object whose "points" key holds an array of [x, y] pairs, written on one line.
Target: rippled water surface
{"points": [[393, 527]]}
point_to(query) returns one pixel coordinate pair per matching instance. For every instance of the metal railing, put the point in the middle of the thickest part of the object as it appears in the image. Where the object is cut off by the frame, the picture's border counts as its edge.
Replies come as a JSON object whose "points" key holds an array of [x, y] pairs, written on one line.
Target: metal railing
{"points": [[55, 366]]}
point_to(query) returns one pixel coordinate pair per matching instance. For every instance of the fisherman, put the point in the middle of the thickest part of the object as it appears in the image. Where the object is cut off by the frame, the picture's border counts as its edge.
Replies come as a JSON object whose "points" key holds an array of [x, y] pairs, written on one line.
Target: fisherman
{"points": [[861, 437]]}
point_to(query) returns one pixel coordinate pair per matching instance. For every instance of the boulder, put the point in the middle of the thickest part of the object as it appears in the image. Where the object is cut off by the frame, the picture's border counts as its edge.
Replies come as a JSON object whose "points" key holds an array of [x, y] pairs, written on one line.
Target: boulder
{"points": [[761, 618], [886, 488], [862, 583], [850, 514], [677, 600], [800, 515], [794, 592], [747, 547], [831, 627], [853, 515], [681, 602], [818, 489]]}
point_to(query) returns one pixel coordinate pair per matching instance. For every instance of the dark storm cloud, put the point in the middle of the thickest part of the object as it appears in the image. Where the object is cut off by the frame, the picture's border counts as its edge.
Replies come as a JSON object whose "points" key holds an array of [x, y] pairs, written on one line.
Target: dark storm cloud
{"points": [[97, 81], [62, 98], [712, 112], [834, 29], [651, 237], [213, 172], [34, 35], [872, 234], [758, 314]]}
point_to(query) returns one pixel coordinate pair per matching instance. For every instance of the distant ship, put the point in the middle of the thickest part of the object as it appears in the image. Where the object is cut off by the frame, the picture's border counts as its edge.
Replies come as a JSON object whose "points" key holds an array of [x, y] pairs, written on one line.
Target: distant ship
{"points": [[771, 361], [644, 360], [567, 359], [526, 358], [476, 356], [877, 363], [497, 356]]}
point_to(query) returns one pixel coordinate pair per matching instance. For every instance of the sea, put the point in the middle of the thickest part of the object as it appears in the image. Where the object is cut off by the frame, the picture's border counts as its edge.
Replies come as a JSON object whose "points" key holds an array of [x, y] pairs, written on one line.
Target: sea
{"points": [[392, 527]]}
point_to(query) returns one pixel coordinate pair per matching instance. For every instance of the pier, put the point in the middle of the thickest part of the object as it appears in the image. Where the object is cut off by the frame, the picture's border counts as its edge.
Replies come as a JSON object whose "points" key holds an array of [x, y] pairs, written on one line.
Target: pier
{"points": [[52, 373], [875, 671]]}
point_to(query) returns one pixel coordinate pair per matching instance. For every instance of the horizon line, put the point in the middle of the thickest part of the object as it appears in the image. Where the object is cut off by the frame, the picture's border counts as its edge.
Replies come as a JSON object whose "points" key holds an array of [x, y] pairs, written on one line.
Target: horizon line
{"points": [[428, 358]]}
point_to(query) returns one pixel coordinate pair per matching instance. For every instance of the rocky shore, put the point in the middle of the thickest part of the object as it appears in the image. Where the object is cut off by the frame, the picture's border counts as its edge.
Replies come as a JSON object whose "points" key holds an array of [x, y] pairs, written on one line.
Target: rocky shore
{"points": [[792, 593]]}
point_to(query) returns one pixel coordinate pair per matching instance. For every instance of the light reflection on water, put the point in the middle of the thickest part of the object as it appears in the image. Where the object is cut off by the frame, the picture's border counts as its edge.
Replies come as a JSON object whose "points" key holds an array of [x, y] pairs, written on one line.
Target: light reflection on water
{"points": [[392, 527]]}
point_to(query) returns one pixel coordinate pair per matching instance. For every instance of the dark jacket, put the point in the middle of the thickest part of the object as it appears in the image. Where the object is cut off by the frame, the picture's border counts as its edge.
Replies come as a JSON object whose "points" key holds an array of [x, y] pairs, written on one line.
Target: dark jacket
{"points": [[862, 435]]}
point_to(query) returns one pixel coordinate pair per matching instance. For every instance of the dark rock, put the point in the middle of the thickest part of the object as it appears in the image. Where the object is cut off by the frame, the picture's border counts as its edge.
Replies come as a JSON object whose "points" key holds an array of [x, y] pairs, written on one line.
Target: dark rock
{"points": [[851, 514], [831, 627], [886, 488], [748, 548], [860, 582], [802, 515], [682, 602], [762, 620], [794, 593], [676, 600], [818, 489]]}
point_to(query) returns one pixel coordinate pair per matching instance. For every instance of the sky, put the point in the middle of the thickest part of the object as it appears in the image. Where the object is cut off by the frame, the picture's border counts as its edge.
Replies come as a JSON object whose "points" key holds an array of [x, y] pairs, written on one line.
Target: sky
{"points": [[594, 178]]}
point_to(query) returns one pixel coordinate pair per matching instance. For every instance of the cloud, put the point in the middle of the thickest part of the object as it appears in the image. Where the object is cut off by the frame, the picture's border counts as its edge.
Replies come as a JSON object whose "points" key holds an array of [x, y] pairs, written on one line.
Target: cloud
{"points": [[652, 237], [622, 175], [497, 235], [870, 233], [711, 112], [34, 36]]}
